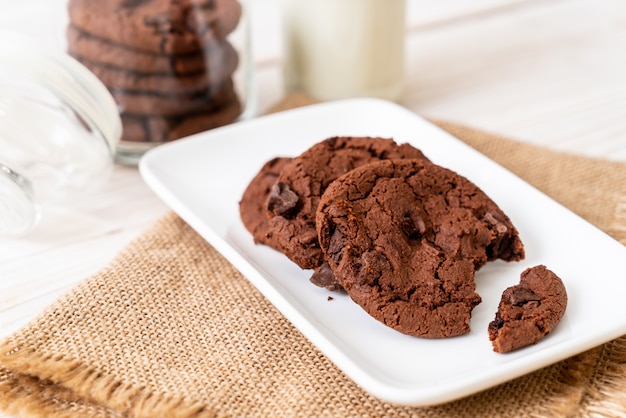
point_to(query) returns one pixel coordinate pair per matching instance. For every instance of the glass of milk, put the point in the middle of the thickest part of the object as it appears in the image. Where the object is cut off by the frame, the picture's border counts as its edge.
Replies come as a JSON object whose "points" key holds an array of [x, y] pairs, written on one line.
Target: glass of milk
{"points": [[337, 49]]}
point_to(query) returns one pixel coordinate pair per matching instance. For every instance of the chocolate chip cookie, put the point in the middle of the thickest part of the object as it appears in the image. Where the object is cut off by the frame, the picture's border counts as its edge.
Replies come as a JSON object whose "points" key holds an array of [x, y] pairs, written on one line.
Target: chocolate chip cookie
{"points": [[528, 311], [86, 47], [405, 237], [294, 197], [133, 102], [252, 206], [161, 26], [158, 129], [125, 67]]}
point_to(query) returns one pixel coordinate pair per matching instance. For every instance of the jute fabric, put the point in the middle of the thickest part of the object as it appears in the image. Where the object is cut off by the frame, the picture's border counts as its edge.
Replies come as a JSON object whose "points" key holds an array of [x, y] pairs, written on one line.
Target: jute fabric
{"points": [[170, 329]]}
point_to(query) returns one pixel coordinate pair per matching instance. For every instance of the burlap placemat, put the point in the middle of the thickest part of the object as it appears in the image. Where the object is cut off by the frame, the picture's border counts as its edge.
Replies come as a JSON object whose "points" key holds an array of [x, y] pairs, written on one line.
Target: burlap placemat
{"points": [[171, 329]]}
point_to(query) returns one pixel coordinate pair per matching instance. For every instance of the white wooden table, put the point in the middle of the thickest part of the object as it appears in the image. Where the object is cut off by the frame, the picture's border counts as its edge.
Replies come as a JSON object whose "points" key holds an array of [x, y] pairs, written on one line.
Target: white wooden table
{"points": [[549, 72]]}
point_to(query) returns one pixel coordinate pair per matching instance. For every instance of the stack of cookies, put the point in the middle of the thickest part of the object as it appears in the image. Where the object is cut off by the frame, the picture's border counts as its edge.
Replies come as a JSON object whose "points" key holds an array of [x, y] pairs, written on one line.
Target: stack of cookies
{"points": [[401, 235], [167, 63]]}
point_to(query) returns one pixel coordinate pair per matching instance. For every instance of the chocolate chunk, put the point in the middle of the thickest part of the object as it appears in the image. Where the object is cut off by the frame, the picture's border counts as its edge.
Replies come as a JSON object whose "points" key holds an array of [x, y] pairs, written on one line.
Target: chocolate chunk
{"points": [[490, 219], [282, 200], [522, 295], [323, 276], [131, 4]]}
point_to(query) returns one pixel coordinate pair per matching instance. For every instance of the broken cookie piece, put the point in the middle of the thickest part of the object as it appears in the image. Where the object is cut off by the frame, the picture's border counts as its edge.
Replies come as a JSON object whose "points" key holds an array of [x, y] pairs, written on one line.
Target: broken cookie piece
{"points": [[528, 311]]}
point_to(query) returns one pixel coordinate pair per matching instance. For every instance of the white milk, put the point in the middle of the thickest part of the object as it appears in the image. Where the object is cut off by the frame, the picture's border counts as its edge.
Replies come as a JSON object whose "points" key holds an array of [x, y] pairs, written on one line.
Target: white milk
{"points": [[345, 48]]}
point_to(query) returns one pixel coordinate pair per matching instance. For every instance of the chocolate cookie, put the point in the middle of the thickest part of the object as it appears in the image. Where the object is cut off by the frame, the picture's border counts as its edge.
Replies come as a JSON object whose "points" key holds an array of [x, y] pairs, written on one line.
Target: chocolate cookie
{"points": [[84, 46], [115, 78], [296, 193], [119, 66], [252, 207], [405, 237], [158, 129], [164, 104], [528, 311], [162, 26], [216, 73]]}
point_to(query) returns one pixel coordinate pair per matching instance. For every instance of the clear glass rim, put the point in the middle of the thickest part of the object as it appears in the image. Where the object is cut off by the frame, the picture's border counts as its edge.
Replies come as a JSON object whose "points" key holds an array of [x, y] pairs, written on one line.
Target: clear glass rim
{"points": [[73, 83], [27, 194], [23, 183], [95, 105]]}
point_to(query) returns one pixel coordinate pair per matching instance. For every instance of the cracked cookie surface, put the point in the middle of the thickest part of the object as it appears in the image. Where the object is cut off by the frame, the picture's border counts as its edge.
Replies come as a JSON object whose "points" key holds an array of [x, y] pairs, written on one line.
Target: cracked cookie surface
{"points": [[293, 201], [405, 237]]}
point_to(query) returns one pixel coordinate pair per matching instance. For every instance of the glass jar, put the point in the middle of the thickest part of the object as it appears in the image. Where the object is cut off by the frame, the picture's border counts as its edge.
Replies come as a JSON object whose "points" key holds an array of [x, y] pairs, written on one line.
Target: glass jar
{"points": [[337, 49], [58, 130], [174, 67]]}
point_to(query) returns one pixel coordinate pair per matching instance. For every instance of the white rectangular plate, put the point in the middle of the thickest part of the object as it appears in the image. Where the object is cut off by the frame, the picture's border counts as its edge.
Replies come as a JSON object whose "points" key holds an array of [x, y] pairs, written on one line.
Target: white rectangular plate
{"points": [[203, 177]]}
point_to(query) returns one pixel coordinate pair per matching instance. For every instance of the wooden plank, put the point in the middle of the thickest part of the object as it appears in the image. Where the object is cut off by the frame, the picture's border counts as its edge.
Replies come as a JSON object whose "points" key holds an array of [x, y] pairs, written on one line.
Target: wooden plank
{"points": [[551, 73]]}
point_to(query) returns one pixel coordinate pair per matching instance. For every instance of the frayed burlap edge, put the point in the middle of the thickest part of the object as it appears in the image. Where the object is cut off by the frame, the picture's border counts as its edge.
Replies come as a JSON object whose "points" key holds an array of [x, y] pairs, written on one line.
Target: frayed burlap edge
{"points": [[33, 384], [26, 395], [70, 389], [84, 390]]}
